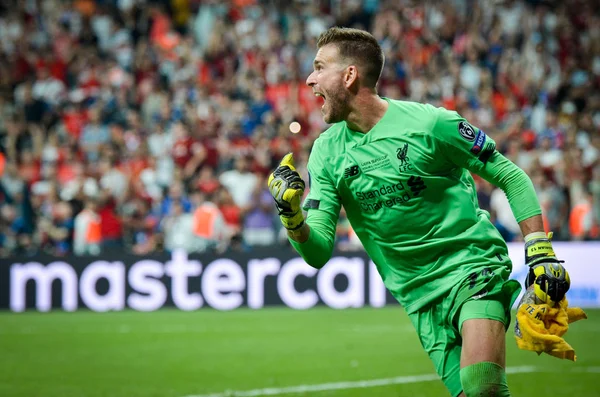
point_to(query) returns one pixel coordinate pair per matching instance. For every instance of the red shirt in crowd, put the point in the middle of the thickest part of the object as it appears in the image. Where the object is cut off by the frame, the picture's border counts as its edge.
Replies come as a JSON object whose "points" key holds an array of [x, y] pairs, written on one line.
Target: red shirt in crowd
{"points": [[110, 224], [231, 215], [182, 151], [30, 172], [74, 121]]}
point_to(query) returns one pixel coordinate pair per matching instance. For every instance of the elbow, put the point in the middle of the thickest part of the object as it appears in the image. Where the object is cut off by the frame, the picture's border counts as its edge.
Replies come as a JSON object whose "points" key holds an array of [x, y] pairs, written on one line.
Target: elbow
{"points": [[317, 263], [511, 180], [317, 255], [317, 249], [516, 182]]}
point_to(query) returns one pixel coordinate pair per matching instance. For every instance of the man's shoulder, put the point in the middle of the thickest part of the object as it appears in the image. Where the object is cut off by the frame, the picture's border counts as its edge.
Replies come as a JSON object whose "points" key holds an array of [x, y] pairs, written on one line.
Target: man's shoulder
{"points": [[415, 116], [437, 119], [412, 107], [329, 144], [334, 131], [329, 138]]}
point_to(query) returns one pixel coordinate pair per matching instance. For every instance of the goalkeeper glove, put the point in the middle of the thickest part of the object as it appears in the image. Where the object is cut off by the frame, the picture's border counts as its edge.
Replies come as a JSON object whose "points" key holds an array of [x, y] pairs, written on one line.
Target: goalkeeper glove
{"points": [[287, 187], [548, 276]]}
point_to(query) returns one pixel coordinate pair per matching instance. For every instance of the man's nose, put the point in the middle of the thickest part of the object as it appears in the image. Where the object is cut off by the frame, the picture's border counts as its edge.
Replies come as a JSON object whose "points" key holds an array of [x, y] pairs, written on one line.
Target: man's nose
{"points": [[310, 80]]}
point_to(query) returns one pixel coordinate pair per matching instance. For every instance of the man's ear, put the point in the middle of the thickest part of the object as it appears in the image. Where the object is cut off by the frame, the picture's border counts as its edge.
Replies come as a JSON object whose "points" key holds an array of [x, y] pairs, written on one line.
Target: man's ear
{"points": [[350, 76]]}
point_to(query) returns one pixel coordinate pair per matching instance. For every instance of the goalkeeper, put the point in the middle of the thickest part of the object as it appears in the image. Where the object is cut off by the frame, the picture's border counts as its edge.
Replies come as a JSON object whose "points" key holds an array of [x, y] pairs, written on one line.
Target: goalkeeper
{"points": [[401, 171]]}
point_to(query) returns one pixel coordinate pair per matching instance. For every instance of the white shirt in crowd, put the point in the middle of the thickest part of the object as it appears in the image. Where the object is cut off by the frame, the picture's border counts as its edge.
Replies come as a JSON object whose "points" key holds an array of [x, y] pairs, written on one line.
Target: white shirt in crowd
{"points": [[83, 220], [116, 182], [240, 185], [71, 188], [49, 90], [500, 205]]}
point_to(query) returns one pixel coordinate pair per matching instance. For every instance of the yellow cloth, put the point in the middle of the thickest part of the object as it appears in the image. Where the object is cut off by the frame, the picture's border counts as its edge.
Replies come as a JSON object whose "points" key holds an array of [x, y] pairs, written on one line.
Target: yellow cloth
{"points": [[540, 328]]}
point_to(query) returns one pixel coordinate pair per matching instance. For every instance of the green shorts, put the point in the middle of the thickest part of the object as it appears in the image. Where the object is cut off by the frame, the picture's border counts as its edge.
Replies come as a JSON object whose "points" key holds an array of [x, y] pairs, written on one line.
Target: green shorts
{"points": [[484, 294]]}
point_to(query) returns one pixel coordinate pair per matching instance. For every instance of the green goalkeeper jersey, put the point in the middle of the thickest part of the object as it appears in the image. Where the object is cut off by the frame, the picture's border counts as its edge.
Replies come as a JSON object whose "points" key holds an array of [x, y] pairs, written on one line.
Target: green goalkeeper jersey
{"points": [[408, 194]]}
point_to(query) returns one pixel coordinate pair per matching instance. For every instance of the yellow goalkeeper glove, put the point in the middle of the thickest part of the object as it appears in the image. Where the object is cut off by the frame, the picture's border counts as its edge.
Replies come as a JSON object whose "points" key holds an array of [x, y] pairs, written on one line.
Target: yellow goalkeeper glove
{"points": [[287, 187], [548, 276]]}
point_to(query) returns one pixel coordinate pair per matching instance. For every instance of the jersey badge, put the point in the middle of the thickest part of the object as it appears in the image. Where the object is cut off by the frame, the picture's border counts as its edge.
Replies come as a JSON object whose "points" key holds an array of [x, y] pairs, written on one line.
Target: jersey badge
{"points": [[402, 154], [466, 131]]}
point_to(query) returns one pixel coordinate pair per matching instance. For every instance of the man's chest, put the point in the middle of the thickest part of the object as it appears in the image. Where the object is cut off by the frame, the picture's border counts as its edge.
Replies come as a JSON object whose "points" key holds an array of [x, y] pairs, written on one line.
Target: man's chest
{"points": [[391, 174]]}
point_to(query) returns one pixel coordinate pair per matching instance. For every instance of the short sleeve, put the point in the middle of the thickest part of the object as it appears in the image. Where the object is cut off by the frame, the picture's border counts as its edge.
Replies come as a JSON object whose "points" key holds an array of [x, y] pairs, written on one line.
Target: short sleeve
{"points": [[322, 194], [463, 144]]}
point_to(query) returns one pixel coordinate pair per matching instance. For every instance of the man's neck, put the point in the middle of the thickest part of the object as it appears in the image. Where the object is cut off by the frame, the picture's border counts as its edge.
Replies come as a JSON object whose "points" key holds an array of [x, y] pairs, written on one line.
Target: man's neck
{"points": [[366, 112]]}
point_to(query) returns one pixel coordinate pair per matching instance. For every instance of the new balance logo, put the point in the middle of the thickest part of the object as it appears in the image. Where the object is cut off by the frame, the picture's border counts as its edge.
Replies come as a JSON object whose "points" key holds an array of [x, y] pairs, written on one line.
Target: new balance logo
{"points": [[351, 171], [416, 184]]}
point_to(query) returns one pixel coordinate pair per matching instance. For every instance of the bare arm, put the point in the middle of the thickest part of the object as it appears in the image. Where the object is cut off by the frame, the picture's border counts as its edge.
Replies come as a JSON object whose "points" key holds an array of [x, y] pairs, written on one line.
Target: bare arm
{"points": [[532, 225], [300, 235]]}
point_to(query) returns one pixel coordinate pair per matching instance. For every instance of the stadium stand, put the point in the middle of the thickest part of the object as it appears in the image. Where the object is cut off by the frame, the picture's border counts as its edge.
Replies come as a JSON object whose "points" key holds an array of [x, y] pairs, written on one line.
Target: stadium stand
{"points": [[150, 125]]}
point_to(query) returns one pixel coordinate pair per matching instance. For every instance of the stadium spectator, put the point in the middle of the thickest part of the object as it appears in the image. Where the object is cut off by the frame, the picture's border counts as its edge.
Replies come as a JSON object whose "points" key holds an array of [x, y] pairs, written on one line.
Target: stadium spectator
{"points": [[502, 216], [581, 219], [259, 223], [240, 182], [87, 235], [177, 227], [209, 226], [56, 230], [176, 195], [140, 227]]}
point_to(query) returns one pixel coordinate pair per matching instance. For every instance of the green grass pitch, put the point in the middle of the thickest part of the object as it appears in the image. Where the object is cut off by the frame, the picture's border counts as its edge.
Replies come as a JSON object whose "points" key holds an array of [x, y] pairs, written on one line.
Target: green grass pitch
{"points": [[178, 354]]}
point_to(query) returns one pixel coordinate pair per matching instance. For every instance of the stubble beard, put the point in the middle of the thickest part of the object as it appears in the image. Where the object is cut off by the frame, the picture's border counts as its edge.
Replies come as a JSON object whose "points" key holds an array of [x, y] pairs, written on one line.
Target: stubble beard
{"points": [[335, 109]]}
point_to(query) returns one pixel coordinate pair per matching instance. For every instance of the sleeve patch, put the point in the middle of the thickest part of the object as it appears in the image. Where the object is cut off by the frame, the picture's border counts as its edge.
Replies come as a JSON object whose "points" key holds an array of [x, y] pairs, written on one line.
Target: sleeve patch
{"points": [[466, 131], [311, 204], [479, 142], [487, 152]]}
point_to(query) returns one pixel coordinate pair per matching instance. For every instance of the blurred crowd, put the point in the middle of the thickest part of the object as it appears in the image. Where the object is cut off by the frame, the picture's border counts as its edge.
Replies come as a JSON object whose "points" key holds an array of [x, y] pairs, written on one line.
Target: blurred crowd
{"points": [[151, 125]]}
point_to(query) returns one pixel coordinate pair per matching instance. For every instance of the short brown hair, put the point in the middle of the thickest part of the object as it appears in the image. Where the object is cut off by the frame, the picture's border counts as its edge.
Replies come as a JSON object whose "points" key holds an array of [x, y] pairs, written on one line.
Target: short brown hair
{"points": [[358, 45]]}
